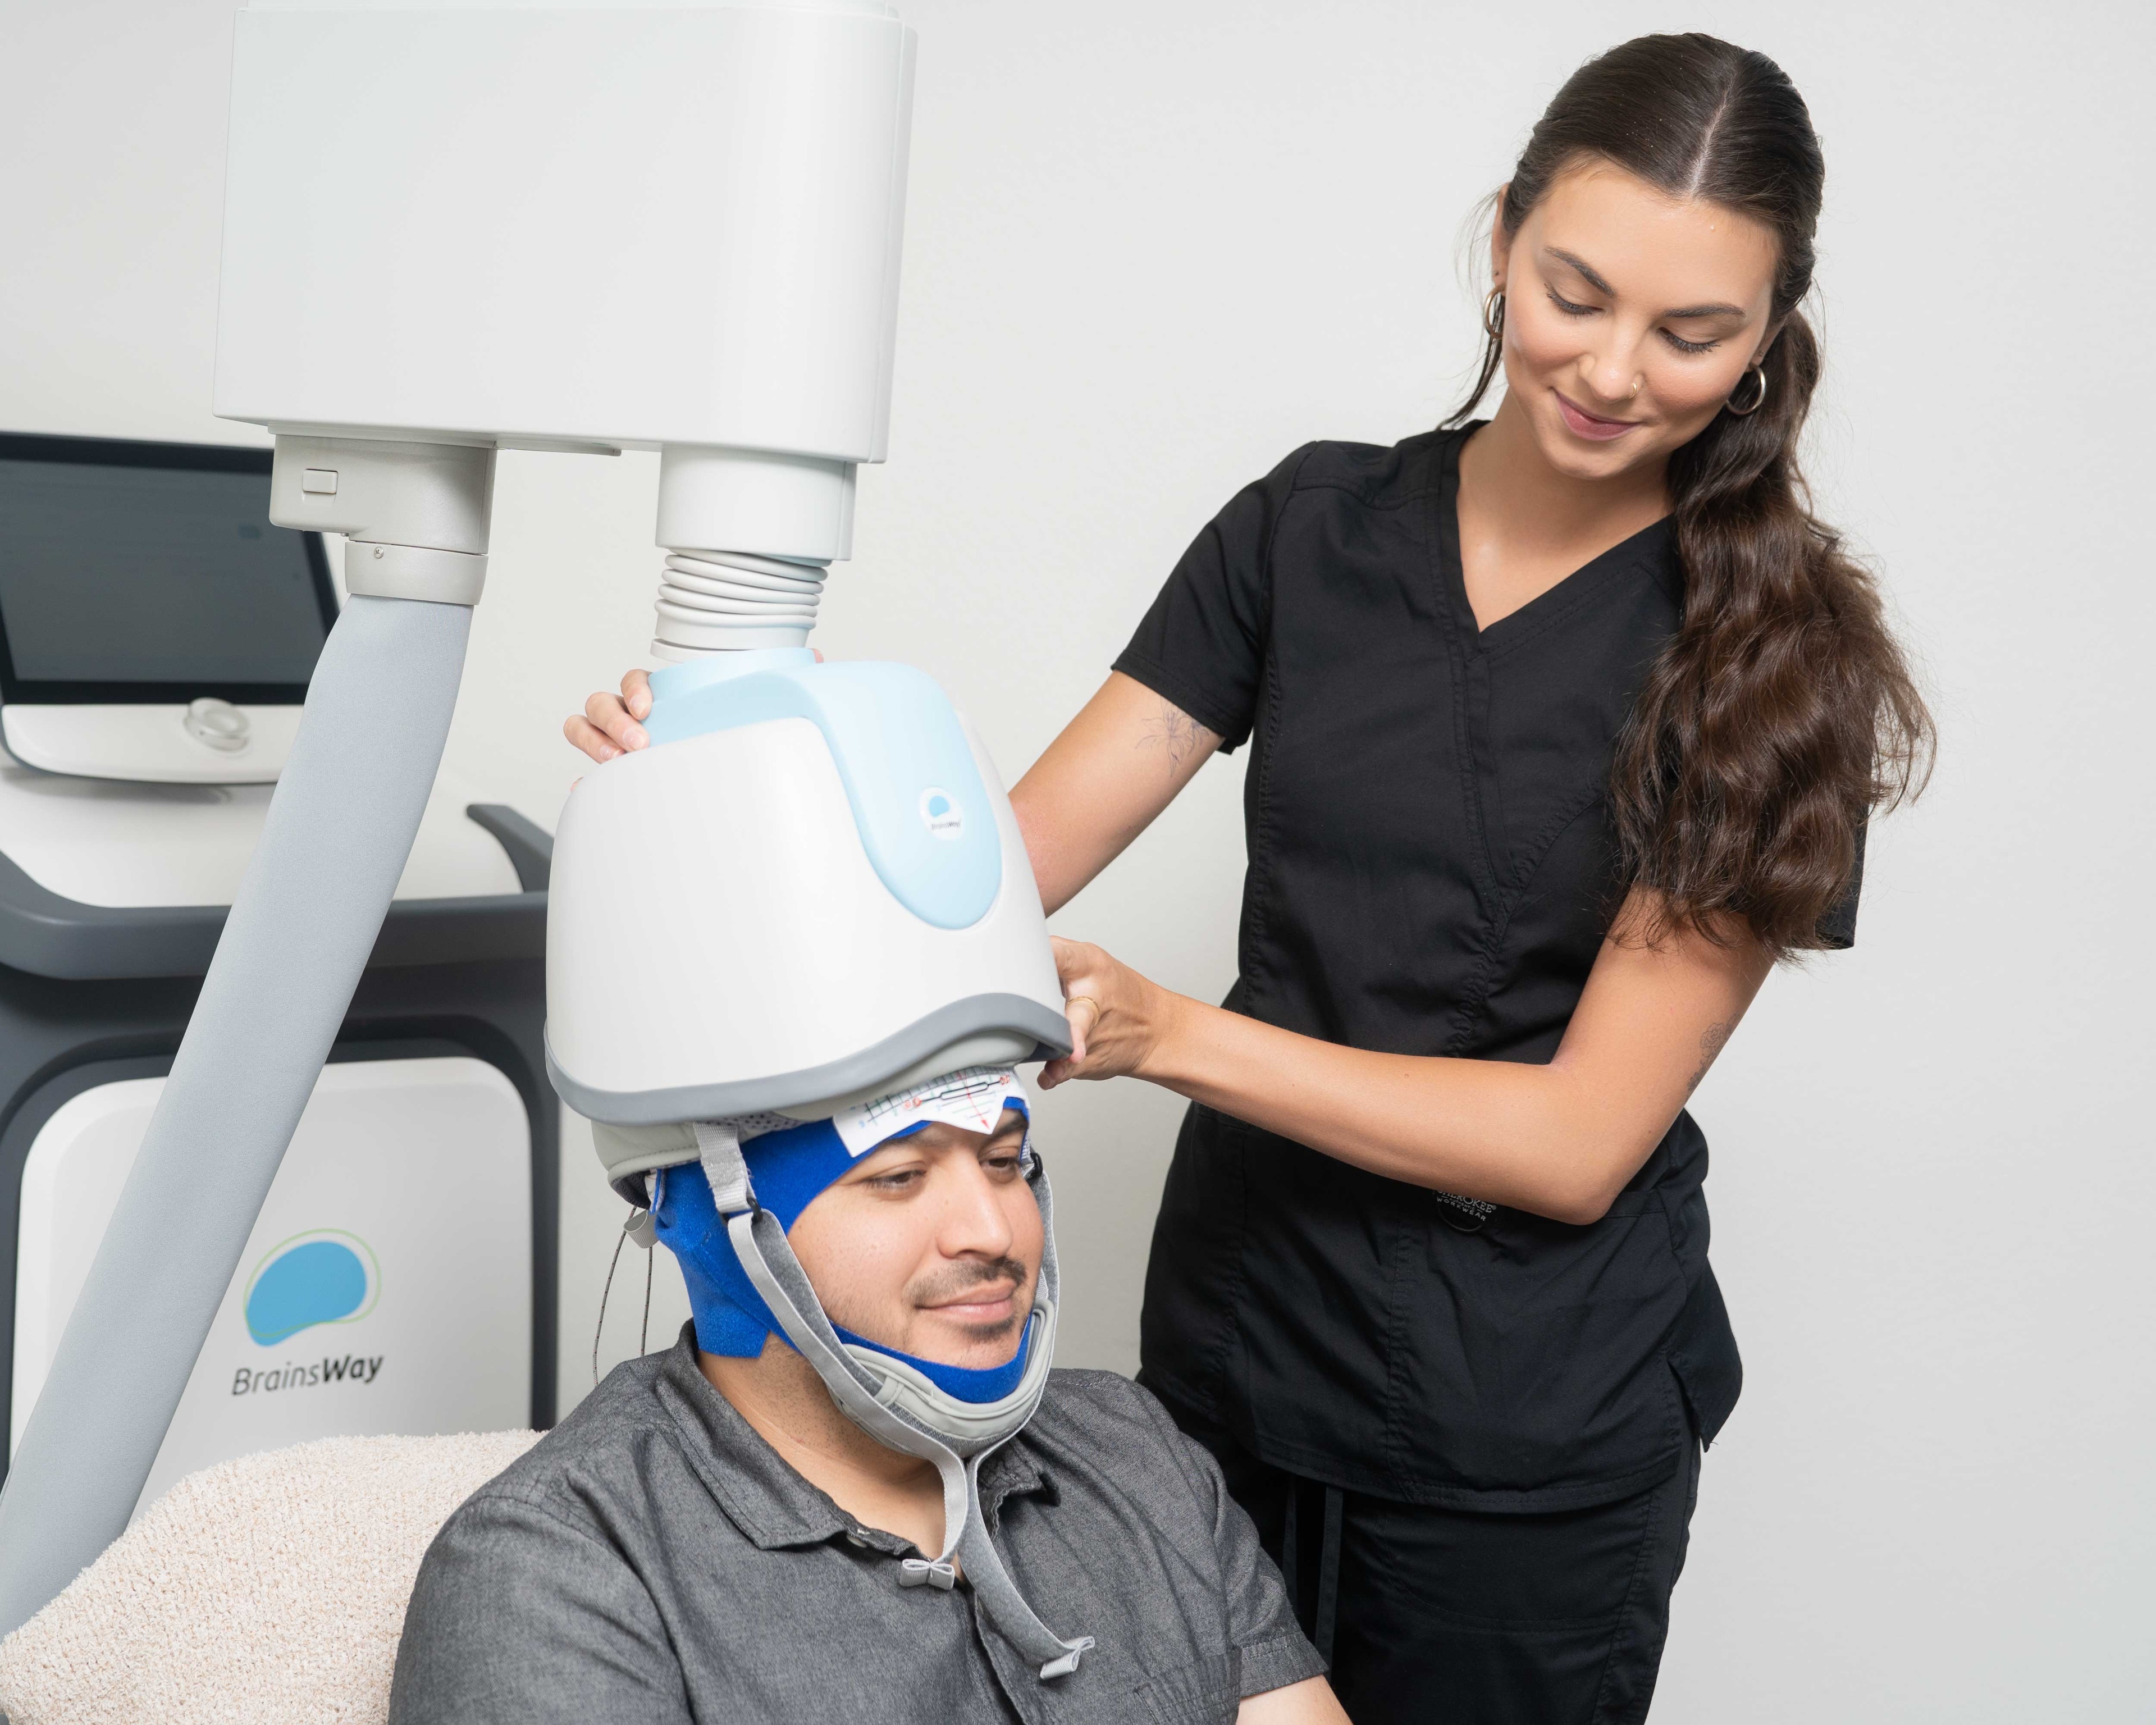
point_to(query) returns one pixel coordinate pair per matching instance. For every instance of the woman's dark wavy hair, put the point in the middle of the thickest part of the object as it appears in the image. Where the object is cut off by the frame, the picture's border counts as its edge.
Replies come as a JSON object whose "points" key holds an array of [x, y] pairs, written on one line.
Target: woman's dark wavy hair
{"points": [[1781, 713]]}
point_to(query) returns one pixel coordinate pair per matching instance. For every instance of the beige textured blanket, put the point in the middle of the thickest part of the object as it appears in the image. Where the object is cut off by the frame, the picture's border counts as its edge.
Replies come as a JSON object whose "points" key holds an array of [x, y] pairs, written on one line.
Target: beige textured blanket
{"points": [[271, 1589]]}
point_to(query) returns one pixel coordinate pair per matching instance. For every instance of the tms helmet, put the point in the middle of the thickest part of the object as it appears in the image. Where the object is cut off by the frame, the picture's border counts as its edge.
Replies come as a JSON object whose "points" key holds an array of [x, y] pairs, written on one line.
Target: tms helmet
{"points": [[799, 925]]}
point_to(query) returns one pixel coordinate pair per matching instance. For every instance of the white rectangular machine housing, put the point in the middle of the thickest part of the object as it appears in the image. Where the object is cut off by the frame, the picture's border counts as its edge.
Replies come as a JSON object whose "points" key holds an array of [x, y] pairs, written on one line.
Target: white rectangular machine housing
{"points": [[588, 225], [622, 227]]}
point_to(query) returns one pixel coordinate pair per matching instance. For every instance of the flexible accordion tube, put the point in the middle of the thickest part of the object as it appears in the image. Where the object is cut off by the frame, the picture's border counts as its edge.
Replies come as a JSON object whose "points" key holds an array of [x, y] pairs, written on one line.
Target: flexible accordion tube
{"points": [[715, 600], [302, 926]]}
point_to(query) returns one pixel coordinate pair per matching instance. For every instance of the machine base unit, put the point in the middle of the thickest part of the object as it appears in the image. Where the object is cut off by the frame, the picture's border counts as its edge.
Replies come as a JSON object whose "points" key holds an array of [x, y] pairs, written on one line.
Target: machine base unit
{"points": [[387, 1286]]}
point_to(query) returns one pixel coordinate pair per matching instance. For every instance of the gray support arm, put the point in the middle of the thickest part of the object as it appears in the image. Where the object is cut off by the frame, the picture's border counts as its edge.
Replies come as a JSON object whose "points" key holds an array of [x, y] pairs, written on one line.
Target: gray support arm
{"points": [[339, 829]]}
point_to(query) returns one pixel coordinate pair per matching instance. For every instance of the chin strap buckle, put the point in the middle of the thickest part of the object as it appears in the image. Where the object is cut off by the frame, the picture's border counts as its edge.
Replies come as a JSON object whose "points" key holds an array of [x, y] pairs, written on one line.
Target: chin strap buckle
{"points": [[718, 1147], [924, 1571]]}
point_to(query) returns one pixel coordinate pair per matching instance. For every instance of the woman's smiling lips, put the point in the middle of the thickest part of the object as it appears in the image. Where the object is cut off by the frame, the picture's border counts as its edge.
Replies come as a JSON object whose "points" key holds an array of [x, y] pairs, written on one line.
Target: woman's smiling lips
{"points": [[1581, 423]]}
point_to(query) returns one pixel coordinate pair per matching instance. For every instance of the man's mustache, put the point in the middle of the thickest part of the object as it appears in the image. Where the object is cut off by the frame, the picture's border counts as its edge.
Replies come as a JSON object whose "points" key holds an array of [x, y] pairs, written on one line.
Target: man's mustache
{"points": [[948, 1285]]}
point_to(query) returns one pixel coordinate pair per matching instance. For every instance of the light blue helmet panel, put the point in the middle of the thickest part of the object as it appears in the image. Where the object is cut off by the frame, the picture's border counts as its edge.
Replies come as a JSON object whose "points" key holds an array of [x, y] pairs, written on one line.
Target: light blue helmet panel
{"points": [[919, 804]]}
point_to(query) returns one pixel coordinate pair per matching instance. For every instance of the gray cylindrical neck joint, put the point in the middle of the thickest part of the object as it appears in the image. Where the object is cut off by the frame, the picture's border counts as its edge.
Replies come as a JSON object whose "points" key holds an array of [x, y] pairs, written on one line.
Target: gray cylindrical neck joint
{"points": [[416, 514]]}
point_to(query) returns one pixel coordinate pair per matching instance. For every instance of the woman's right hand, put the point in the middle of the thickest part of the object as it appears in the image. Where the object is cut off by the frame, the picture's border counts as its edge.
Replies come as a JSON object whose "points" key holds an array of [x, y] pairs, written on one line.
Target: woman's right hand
{"points": [[610, 724]]}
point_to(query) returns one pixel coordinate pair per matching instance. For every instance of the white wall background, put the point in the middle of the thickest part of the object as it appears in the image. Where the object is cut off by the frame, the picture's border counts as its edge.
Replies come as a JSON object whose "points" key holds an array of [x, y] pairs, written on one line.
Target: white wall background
{"points": [[1153, 245]]}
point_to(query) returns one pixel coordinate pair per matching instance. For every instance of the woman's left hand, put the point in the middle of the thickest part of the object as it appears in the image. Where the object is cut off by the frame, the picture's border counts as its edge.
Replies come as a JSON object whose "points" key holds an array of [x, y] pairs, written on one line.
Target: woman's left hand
{"points": [[1117, 1018]]}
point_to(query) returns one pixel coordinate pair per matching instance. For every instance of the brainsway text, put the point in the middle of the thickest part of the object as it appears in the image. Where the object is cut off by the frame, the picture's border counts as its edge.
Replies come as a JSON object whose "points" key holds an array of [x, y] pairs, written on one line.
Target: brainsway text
{"points": [[351, 1368]]}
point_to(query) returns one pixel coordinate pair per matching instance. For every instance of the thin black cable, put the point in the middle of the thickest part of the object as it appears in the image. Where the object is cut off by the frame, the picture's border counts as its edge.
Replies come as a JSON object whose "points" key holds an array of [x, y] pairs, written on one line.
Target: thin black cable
{"points": [[603, 1293], [643, 1335]]}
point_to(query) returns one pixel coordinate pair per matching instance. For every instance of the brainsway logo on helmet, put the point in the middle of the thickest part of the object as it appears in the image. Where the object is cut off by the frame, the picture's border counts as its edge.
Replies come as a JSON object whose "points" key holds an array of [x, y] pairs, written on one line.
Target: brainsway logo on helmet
{"points": [[325, 1276]]}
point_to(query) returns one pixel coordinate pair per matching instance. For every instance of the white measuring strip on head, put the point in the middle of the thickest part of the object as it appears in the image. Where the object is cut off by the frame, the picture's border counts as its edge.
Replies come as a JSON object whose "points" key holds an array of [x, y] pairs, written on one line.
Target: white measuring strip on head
{"points": [[973, 1099]]}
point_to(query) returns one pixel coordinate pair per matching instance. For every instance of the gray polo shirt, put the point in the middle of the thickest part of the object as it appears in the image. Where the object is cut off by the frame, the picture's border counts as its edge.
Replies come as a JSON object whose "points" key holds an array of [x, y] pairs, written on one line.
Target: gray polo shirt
{"points": [[652, 1558]]}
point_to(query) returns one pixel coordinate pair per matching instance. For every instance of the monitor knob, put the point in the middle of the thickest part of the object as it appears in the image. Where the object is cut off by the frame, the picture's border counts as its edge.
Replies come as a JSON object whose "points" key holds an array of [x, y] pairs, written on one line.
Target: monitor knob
{"points": [[218, 724]]}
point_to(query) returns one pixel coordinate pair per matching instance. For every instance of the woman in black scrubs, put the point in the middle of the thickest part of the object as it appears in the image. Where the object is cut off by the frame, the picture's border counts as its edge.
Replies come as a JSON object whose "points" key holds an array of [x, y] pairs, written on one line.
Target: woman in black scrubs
{"points": [[1564, 727]]}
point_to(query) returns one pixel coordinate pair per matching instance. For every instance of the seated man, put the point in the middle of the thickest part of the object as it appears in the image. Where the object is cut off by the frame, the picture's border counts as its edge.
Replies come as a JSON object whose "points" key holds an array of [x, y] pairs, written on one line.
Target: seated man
{"points": [[844, 1493]]}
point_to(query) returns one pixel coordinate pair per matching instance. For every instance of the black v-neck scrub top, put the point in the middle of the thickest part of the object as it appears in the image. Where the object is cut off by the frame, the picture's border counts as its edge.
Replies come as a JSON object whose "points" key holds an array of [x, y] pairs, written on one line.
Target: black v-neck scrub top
{"points": [[1430, 873]]}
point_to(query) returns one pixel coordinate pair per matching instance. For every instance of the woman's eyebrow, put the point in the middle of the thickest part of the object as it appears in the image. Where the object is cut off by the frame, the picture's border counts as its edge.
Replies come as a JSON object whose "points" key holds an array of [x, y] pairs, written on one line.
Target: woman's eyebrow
{"points": [[1717, 310], [1594, 280], [1592, 275]]}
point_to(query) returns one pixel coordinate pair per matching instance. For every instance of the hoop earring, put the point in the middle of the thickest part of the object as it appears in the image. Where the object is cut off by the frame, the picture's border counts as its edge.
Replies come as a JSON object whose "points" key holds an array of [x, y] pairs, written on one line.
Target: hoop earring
{"points": [[1493, 315], [1757, 401]]}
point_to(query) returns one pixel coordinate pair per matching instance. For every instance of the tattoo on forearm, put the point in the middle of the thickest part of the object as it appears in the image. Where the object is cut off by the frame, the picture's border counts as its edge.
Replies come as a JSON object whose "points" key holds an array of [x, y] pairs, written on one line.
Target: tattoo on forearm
{"points": [[1174, 732], [1712, 1041]]}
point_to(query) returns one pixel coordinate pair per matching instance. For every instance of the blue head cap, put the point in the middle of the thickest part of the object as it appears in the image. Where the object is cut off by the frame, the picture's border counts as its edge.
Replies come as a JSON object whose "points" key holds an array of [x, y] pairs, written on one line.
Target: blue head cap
{"points": [[790, 1169]]}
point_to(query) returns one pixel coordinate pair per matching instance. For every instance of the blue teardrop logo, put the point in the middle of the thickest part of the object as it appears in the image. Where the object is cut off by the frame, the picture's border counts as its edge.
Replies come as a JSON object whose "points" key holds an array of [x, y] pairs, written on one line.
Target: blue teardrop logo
{"points": [[326, 1277], [940, 814]]}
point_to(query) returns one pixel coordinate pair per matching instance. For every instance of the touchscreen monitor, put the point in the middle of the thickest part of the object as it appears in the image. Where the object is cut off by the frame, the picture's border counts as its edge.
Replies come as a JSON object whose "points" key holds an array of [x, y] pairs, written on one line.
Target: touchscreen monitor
{"points": [[151, 572]]}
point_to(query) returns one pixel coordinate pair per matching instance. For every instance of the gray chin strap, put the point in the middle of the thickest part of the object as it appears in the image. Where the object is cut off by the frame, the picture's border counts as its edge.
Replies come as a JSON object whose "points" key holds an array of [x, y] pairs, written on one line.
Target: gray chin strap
{"points": [[900, 1408]]}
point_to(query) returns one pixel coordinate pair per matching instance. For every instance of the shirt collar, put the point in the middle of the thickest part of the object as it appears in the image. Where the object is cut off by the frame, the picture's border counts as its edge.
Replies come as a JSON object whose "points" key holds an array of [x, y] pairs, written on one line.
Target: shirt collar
{"points": [[762, 1494]]}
